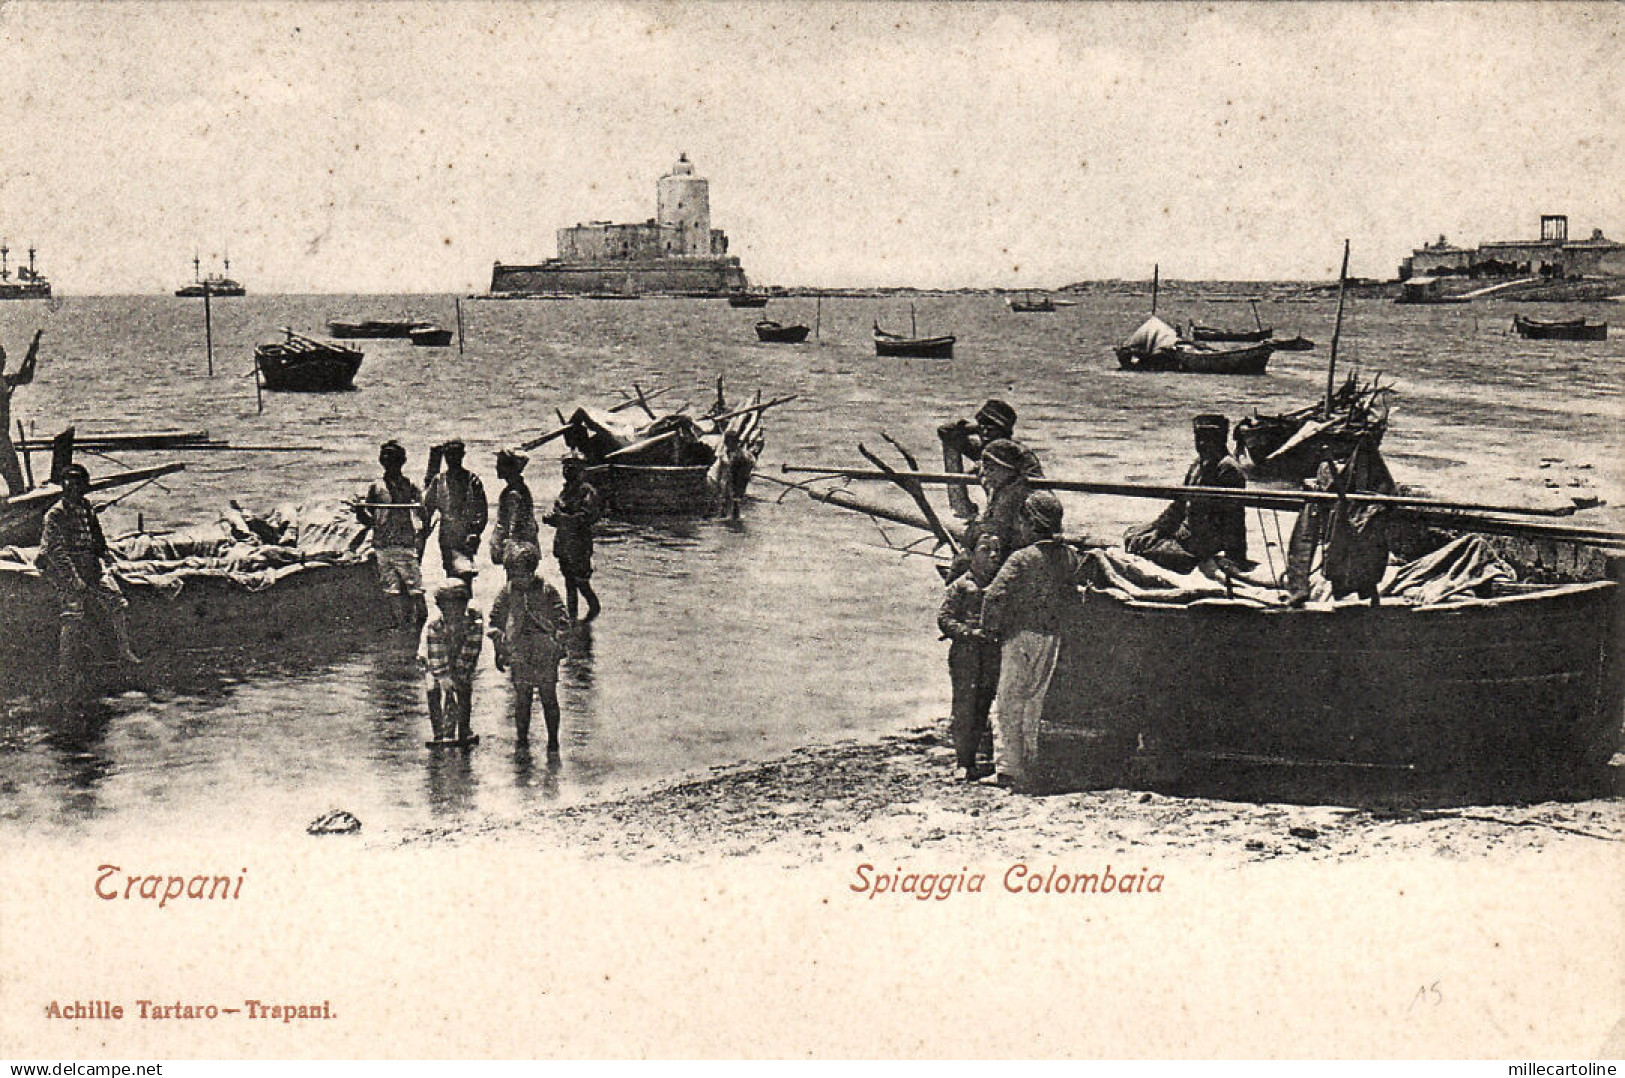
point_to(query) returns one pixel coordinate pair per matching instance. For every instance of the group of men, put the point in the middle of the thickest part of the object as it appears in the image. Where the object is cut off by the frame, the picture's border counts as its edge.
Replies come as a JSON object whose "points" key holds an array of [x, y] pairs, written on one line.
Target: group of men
{"points": [[1014, 579], [528, 618]]}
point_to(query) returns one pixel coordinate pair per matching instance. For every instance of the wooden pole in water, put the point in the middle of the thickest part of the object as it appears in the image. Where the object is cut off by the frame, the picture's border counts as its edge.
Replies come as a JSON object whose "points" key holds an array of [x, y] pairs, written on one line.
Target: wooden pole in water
{"points": [[1155, 273], [1337, 328], [208, 329], [459, 325], [818, 319], [913, 326]]}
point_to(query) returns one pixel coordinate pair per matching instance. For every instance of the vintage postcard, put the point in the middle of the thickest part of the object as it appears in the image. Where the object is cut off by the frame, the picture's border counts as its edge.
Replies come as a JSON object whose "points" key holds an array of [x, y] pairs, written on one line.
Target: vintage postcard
{"points": [[812, 530]]}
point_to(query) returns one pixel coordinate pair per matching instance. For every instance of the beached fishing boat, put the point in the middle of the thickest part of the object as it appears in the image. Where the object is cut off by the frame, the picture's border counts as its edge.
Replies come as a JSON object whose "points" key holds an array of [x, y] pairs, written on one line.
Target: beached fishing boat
{"points": [[777, 333], [302, 364], [1570, 329], [249, 582], [428, 335], [371, 328], [22, 515]]}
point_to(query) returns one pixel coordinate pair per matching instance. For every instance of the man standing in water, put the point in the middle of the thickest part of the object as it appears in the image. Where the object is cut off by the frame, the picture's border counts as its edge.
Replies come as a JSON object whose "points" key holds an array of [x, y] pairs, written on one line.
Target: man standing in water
{"points": [[574, 514], [393, 509], [516, 509], [457, 497], [450, 655], [72, 557], [528, 620], [10, 469]]}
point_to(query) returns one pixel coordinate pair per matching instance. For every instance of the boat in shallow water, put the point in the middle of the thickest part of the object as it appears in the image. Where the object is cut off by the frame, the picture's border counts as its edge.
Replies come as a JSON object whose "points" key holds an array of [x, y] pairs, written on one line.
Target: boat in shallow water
{"points": [[305, 365], [771, 332], [1570, 329], [299, 572]]}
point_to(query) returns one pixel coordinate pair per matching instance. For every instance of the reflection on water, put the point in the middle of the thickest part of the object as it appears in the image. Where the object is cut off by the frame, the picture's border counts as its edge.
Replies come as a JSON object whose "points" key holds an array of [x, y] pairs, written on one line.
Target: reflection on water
{"points": [[719, 641]]}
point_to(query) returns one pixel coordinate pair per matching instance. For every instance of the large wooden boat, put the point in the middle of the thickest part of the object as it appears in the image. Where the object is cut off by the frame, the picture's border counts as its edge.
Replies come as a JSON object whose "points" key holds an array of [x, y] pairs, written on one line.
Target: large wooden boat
{"points": [[1513, 681], [1571, 329], [303, 365], [192, 592], [777, 333], [371, 328], [1195, 358]]}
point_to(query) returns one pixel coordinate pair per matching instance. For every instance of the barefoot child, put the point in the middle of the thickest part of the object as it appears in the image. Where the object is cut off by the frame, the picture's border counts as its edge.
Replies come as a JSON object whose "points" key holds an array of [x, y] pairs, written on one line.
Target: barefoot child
{"points": [[528, 620], [451, 651]]}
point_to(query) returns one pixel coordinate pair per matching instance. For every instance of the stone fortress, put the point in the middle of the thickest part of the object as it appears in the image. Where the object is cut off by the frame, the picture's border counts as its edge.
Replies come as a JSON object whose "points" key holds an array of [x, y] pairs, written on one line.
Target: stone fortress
{"points": [[1553, 255], [676, 252]]}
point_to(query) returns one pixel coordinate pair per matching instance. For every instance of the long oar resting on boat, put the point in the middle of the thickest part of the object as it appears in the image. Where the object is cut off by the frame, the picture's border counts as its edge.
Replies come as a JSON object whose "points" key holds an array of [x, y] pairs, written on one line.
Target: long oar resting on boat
{"points": [[1490, 663]]}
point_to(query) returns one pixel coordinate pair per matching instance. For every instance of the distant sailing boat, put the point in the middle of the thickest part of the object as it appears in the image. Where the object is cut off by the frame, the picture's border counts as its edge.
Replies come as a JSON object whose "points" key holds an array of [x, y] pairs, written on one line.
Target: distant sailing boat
{"points": [[215, 284]]}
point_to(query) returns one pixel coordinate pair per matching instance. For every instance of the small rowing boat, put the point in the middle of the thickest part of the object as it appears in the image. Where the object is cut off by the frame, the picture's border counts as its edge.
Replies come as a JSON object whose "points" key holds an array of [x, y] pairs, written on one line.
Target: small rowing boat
{"points": [[776, 333], [1570, 329], [302, 364]]}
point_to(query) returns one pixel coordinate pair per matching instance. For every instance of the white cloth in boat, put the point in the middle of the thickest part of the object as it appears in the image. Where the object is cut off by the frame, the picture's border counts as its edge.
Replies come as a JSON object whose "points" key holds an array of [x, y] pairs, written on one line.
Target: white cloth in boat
{"points": [[307, 535], [1450, 573], [1152, 337]]}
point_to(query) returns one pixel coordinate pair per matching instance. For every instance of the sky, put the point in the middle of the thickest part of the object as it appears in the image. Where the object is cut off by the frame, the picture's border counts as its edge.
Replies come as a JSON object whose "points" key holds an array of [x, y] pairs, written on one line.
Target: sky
{"points": [[404, 147]]}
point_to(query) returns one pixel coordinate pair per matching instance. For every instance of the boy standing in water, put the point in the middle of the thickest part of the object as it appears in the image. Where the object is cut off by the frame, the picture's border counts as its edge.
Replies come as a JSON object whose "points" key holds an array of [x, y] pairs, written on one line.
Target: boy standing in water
{"points": [[528, 621], [451, 651]]}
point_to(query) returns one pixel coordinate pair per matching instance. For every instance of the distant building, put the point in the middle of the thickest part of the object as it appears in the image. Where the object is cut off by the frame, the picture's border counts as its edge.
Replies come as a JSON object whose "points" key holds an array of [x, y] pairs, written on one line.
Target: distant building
{"points": [[1553, 254], [676, 251]]}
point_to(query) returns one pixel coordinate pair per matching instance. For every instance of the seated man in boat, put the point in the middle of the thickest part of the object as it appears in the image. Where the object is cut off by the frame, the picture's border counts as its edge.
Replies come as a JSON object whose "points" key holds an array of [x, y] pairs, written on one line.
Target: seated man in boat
{"points": [[729, 475], [450, 654], [73, 558], [393, 509], [576, 510], [516, 508], [964, 440], [1025, 609], [973, 658], [10, 469], [457, 498], [1001, 474], [1192, 529], [528, 623]]}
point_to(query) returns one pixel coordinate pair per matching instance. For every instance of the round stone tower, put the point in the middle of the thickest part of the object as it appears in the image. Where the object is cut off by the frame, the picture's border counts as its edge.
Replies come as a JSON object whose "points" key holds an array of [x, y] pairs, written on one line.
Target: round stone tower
{"points": [[683, 209]]}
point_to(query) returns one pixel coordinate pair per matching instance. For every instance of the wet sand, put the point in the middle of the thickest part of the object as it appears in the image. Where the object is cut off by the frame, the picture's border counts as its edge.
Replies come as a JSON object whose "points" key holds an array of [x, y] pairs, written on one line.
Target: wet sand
{"points": [[899, 794]]}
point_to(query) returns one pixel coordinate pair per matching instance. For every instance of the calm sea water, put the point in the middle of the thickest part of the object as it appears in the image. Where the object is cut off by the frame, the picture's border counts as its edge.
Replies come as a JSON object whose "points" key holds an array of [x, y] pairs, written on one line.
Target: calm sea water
{"points": [[719, 642]]}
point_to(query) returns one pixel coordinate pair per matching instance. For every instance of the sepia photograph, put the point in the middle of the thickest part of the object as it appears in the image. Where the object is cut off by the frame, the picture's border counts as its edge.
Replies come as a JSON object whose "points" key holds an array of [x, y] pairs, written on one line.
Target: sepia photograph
{"points": [[812, 530]]}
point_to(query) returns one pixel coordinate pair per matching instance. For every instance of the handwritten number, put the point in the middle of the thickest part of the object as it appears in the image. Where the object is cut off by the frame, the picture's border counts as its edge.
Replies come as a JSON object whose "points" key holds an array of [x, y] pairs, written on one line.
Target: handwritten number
{"points": [[1429, 995]]}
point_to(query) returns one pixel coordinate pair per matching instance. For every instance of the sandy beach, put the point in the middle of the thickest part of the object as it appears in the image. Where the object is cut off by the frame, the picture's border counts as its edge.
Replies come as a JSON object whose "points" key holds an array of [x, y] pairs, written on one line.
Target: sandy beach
{"points": [[899, 793]]}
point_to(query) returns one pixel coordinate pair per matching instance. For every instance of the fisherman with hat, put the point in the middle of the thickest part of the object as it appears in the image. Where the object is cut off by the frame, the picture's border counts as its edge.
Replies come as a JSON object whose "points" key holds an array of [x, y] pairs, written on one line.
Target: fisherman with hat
{"points": [[450, 653], [74, 560], [516, 509], [574, 513], [457, 497], [1001, 475], [1192, 529], [1026, 609], [965, 440], [393, 509]]}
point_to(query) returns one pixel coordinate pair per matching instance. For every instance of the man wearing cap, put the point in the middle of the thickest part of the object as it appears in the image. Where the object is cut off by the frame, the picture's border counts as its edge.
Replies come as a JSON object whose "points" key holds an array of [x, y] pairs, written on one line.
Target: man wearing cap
{"points": [[73, 558], [516, 509], [449, 656], [1026, 609], [962, 441], [393, 509], [457, 497], [528, 623], [574, 513], [1193, 529]]}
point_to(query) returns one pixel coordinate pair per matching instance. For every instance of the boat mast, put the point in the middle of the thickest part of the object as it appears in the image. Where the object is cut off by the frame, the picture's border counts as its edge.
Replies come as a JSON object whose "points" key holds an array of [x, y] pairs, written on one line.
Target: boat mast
{"points": [[1154, 273], [913, 327], [197, 267], [5, 253], [1337, 328], [31, 274]]}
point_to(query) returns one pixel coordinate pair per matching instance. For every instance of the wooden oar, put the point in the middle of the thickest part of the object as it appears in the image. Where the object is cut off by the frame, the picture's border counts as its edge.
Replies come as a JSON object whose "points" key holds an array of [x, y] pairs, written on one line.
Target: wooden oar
{"points": [[1267, 499], [49, 491]]}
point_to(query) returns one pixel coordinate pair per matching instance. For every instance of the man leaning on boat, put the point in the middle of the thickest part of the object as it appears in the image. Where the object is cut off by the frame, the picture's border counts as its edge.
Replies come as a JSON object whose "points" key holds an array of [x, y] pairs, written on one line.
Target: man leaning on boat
{"points": [[1192, 530]]}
